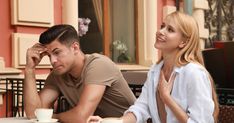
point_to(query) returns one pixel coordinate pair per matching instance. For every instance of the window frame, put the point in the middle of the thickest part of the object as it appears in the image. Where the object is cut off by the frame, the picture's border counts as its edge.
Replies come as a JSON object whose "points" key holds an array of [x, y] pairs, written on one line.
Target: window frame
{"points": [[106, 29]]}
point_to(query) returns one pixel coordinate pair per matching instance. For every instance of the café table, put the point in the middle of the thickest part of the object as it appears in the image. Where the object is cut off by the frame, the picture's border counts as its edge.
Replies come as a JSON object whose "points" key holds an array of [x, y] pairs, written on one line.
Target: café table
{"points": [[19, 120]]}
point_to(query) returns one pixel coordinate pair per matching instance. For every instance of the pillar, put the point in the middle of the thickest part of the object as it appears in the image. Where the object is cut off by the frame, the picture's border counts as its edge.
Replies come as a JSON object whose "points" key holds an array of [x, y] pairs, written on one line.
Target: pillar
{"points": [[198, 13], [70, 12], [147, 31]]}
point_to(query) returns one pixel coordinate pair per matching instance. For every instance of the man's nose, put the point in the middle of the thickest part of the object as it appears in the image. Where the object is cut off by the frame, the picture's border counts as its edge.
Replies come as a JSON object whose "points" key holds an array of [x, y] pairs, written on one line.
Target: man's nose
{"points": [[53, 59]]}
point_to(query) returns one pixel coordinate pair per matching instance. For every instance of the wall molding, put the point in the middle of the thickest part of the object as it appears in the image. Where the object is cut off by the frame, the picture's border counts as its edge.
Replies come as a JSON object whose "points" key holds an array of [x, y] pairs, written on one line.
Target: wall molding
{"points": [[32, 12], [20, 43]]}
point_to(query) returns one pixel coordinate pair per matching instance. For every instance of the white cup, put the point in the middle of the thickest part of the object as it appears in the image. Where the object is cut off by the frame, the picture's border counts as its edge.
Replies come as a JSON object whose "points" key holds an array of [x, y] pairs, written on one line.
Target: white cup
{"points": [[112, 120], [44, 115]]}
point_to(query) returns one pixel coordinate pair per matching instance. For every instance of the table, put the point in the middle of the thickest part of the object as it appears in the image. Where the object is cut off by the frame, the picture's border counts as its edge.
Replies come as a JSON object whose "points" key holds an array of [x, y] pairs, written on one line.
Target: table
{"points": [[15, 120], [18, 120], [132, 67]]}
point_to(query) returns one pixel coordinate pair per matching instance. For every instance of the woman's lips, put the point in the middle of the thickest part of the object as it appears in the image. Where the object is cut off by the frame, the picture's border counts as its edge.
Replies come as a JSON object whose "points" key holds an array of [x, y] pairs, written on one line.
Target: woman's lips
{"points": [[160, 39]]}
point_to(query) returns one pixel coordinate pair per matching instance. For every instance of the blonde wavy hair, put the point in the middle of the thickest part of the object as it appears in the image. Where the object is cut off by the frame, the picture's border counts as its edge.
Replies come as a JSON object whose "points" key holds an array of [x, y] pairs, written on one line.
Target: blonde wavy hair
{"points": [[192, 50]]}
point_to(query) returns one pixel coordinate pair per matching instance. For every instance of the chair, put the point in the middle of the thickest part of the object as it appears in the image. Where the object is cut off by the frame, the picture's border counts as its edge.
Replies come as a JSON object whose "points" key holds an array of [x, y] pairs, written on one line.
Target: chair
{"points": [[226, 101], [15, 100], [136, 80], [226, 114], [14, 96], [225, 96], [214, 63], [62, 104]]}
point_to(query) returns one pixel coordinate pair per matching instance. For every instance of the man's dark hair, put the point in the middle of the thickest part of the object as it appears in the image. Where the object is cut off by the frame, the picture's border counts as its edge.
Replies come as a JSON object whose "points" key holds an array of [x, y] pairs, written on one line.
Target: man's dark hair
{"points": [[64, 33]]}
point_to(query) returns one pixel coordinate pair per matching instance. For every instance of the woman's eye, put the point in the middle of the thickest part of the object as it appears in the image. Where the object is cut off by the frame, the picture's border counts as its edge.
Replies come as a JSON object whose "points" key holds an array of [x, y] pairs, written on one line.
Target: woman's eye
{"points": [[170, 29]]}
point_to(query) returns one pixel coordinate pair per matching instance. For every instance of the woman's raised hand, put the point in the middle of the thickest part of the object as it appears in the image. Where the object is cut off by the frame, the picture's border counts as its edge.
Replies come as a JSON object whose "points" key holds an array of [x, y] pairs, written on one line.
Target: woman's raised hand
{"points": [[165, 87]]}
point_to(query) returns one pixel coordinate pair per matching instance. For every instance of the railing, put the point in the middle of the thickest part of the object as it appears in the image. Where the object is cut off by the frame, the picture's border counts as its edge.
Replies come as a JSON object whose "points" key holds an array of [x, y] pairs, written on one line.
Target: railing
{"points": [[219, 19], [14, 96], [15, 100]]}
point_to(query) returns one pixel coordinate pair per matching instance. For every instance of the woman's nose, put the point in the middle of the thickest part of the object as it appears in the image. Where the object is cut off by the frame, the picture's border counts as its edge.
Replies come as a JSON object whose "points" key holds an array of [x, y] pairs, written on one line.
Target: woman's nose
{"points": [[162, 30], [160, 33]]}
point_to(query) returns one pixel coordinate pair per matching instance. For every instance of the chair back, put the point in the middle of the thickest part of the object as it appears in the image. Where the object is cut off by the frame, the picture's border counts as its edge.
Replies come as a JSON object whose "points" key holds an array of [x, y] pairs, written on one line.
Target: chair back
{"points": [[226, 107], [136, 80]]}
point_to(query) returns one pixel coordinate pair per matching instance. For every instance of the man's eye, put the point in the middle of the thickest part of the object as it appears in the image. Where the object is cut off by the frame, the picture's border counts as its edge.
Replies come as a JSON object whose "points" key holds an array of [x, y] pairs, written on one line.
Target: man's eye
{"points": [[56, 52]]}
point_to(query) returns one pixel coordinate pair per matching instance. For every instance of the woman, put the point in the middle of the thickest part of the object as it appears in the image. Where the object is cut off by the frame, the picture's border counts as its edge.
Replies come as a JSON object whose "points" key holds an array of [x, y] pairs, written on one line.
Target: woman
{"points": [[178, 88]]}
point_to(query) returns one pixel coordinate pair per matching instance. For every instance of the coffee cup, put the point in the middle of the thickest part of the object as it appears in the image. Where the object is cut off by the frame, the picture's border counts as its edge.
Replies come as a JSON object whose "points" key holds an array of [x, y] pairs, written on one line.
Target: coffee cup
{"points": [[112, 120], [43, 114]]}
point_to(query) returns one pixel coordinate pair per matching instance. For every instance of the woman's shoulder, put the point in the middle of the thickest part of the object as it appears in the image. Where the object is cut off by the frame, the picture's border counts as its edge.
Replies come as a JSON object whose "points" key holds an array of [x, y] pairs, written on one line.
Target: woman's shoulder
{"points": [[193, 68], [193, 65]]}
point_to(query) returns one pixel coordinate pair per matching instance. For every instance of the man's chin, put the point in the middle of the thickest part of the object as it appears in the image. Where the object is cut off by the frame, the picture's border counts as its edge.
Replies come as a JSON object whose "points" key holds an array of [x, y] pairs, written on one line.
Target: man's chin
{"points": [[58, 72]]}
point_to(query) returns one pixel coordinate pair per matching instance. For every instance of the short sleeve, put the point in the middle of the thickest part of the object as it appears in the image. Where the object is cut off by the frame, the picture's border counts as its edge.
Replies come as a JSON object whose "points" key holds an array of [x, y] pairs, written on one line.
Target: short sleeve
{"points": [[50, 83], [101, 70]]}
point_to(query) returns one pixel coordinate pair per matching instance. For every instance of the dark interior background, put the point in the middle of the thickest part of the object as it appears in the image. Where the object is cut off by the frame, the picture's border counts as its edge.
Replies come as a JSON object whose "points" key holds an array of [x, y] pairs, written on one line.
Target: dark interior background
{"points": [[92, 41]]}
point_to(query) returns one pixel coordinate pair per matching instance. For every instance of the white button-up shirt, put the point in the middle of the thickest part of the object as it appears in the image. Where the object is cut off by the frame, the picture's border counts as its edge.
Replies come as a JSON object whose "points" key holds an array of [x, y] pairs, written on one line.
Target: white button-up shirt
{"points": [[191, 90]]}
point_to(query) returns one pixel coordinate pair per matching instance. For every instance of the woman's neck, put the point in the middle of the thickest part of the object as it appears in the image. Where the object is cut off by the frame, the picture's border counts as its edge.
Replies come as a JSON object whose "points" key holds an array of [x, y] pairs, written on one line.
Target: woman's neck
{"points": [[168, 65]]}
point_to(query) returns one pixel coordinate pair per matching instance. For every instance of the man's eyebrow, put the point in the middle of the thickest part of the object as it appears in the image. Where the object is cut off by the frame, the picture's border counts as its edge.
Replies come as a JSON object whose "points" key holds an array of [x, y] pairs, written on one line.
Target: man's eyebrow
{"points": [[54, 49]]}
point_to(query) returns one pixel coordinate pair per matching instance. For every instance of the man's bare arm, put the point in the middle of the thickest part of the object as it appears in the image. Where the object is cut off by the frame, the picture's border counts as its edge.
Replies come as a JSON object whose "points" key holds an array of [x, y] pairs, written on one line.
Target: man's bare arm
{"points": [[31, 98], [90, 98]]}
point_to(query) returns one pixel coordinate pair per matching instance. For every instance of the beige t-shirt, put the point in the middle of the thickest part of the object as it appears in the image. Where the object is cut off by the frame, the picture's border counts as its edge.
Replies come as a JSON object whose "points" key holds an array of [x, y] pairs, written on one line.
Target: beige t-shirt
{"points": [[98, 69]]}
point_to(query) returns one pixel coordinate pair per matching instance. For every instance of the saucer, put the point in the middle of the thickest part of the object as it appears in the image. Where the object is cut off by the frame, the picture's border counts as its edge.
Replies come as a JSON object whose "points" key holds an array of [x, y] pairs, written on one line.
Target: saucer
{"points": [[51, 121]]}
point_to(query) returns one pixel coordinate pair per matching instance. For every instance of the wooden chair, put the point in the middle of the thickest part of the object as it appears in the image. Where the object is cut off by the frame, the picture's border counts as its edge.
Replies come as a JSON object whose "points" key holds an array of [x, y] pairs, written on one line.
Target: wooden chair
{"points": [[226, 101], [226, 114], [136, 80]]}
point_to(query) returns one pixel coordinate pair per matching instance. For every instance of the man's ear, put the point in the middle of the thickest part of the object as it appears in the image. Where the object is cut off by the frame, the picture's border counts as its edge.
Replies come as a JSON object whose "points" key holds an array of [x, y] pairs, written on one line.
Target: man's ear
{"points": [[76, 46]]}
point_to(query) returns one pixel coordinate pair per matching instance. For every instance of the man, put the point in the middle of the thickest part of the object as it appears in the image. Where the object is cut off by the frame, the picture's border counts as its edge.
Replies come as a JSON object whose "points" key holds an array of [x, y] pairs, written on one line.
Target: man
{"points": [[91, 83]]}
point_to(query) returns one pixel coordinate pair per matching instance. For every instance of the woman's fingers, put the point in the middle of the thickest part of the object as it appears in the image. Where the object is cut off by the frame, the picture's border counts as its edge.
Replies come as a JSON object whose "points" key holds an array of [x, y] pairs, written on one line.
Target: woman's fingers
{"points": [[171, 81], [94, 119], [165, 87]]}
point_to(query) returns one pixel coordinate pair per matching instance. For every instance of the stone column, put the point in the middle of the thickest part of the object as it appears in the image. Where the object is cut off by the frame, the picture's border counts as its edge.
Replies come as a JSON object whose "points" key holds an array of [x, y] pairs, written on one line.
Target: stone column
{"points": [[147, 31], [198, 13], [70, 12]]}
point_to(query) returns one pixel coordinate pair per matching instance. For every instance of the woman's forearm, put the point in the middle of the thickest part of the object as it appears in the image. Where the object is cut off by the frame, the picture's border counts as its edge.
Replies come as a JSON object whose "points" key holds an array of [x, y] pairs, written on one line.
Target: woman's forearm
{"points": [[129, 118], [176, 109]]}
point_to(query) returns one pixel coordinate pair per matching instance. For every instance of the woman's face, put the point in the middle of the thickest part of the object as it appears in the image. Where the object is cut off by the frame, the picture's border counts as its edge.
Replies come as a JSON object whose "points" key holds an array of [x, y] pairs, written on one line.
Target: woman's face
{"points": [[169, 37]]}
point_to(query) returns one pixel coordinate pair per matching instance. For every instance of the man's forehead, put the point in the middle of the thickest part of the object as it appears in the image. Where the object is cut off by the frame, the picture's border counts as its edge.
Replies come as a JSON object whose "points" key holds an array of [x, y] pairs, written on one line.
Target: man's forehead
{"points": [[53, 46]]}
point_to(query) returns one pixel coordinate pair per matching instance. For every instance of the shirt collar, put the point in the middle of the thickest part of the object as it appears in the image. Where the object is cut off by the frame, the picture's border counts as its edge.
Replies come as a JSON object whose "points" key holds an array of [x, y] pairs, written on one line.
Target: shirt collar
{"points": [[157, 68]]}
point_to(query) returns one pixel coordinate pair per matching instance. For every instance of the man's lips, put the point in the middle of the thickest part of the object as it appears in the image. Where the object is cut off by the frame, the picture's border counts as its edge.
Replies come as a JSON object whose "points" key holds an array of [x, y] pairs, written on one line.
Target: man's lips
{"points": [[57, 67]]}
